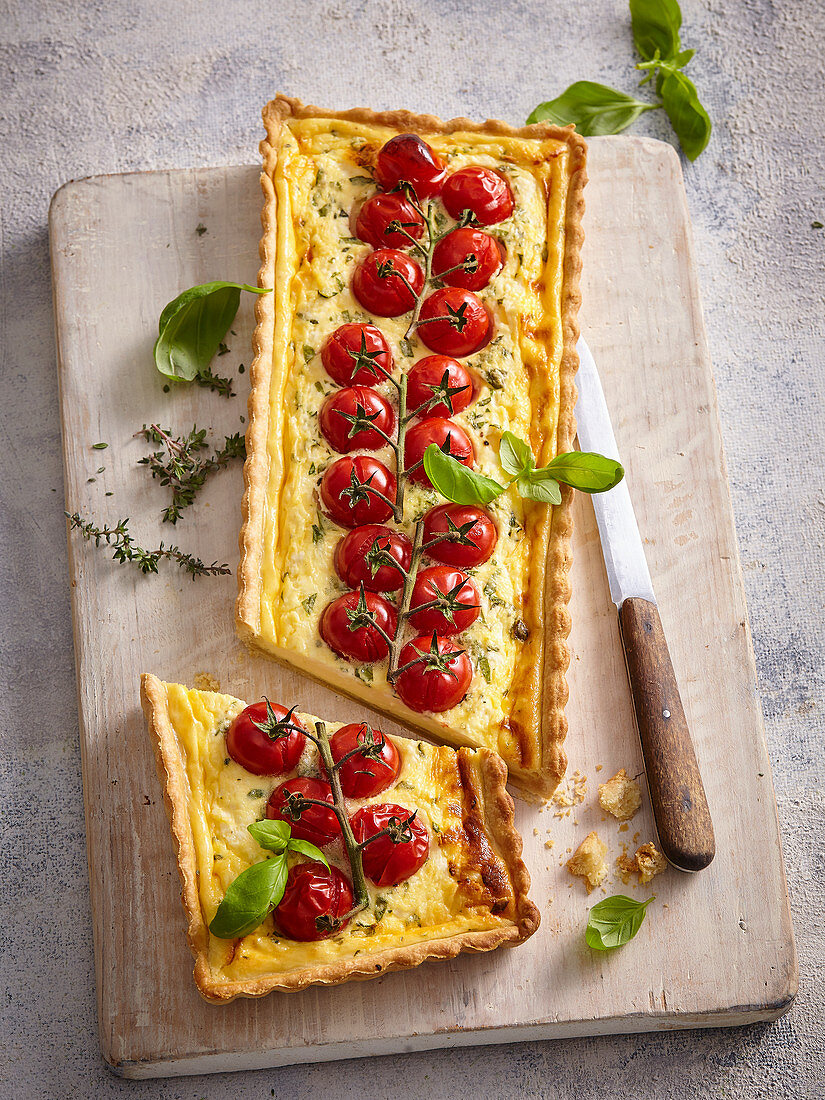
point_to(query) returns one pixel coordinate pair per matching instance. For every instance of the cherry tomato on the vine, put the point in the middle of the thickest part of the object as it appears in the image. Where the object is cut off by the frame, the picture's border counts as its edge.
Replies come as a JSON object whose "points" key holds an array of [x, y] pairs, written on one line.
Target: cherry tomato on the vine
{"points": [[349, 625], [380, 212], [288, 802], [467, 257], [440, 678], [345, 491], [315, 899], [360, 558], [401, 852], [472, 530], [408, 159], [438, 430], [481, 190], [266, 739], [387, 282], [439, 376], [456, 598], [357, 354], [454, 322], [374, 765], [349, 419]]}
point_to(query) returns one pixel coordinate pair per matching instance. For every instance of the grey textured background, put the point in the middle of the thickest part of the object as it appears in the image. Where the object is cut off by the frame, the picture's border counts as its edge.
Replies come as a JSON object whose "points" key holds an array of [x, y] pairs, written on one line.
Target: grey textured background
{"points": [[110, 86]]}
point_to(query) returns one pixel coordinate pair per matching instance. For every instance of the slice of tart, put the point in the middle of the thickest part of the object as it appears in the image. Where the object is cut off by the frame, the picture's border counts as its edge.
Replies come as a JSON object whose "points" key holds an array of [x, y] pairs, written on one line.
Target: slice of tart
{"points": [[425, 279], [392, 851]]}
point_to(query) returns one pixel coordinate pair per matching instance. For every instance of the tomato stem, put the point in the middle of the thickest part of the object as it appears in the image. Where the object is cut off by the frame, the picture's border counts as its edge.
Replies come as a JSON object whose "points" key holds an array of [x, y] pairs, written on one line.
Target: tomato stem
{"points": [[406, 600], [359, 882]]}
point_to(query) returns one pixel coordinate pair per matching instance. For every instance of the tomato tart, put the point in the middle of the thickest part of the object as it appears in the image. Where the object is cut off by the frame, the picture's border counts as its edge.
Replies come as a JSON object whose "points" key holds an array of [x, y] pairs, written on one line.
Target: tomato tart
{"points": [[425, 279], [439, 867]]}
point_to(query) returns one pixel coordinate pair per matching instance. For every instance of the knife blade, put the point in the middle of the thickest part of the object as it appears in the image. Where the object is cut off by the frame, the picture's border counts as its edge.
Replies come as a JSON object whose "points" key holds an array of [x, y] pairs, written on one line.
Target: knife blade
{"points": [[677, 795]]}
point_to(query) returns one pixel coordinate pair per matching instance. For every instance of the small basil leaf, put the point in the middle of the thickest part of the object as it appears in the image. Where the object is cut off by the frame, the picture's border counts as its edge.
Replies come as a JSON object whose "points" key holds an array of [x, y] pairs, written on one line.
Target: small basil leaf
{"points": [[687, 115], [656, 26], [307, 849], [253, 894], [274, 835], [455, 482], [192, 326], [613, 921], [514, 455], [543, 489], [594, 108], [586, 471]]}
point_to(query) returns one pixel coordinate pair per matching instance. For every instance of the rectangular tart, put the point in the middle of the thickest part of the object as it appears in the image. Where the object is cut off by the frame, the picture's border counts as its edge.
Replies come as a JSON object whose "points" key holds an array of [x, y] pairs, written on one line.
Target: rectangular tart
{"points": [[469, 895], [318, 167]]}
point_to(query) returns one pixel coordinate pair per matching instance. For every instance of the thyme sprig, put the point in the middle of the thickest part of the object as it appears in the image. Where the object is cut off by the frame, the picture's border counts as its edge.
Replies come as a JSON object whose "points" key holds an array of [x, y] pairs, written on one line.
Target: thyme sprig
{"points": [[180, 465], [125, 549]]}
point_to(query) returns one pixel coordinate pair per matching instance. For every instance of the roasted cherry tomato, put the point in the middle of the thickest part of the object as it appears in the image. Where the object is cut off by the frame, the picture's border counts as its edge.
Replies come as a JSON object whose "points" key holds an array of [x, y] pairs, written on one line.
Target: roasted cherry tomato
{"points": [[357, 354], [408, 159], [349, 625], [314, 901], [386, 282], [266, 739], [349, 419], [439, 376], [439, 680], [288, 802], [454, 596], [473, 534], [454, 322], [381, 212], [360, 558], [374, 764], [345, 491], [436, 430], [484, 192], [467, 257], [401, 852]]}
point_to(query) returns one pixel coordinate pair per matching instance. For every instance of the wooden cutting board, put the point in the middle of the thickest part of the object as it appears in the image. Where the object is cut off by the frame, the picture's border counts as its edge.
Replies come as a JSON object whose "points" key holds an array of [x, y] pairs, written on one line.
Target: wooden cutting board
{"points": [[716, 948]]}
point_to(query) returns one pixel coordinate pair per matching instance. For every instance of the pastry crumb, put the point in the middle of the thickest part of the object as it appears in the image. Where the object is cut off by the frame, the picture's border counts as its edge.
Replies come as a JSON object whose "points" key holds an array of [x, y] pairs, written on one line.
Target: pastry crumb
{"points": [[599, 767], [620, 796], [650, 861], [588, 861], [549, 844], [205, 681], [646, 863]]}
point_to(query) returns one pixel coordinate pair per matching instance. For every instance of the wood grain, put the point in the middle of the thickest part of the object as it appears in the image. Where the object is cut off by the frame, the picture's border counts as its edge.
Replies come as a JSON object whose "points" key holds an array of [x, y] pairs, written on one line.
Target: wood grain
{"points": [[677, 795], [716, 948]]}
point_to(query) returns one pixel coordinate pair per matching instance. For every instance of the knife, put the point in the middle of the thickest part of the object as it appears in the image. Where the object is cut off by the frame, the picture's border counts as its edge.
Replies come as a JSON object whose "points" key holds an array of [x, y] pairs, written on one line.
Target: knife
{"points": [[677, 796]]}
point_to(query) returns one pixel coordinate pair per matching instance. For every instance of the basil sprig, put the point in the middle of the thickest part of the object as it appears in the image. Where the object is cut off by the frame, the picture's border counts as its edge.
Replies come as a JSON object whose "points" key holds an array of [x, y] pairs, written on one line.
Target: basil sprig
{"points": [[583, 470], [614, 921], [257, 890], [596, 109], [193, 325]]}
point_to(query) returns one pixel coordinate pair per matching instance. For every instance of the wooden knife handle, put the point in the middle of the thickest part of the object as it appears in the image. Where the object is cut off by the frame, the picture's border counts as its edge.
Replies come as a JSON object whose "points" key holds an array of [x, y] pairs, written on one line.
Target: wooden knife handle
{"points": [[676, 792]]}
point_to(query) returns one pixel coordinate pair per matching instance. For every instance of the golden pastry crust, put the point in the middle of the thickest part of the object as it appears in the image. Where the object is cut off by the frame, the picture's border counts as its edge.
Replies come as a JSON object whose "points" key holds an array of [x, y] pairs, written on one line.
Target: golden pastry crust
{"points": [[537, 719], [487, 815]]}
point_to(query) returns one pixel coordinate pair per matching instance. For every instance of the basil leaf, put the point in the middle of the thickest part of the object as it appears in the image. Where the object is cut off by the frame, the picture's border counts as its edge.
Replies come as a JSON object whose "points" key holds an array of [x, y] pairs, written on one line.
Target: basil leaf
{"points": [[455, 482], [514, 455], [656, 26], [274, 835], [253, 894], [193, 325], [586, 471], [613, 921], [543, 489], [307, 849], [687, 115], [594, 108]]}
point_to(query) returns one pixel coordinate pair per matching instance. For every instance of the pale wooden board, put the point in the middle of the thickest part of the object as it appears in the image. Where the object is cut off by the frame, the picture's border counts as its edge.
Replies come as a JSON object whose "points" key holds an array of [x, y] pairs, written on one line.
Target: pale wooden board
{"points": [[716, 948]]}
